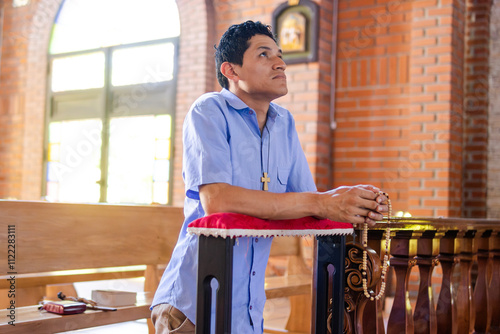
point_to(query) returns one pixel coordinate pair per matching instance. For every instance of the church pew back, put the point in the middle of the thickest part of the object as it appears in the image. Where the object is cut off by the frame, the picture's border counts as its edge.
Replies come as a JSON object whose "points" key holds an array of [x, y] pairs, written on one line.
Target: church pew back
{"points": [[52, 239]]}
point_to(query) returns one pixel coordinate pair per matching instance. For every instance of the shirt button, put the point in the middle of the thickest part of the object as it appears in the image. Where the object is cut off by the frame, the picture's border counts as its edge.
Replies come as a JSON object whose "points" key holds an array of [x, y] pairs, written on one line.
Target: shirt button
{"points": [[251, 112], [256, 239], [253, 273], [250, 306]]}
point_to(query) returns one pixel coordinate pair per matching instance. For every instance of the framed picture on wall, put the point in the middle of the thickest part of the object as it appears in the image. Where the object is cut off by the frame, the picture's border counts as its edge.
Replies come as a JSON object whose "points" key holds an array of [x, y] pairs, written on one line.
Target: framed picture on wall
{"points": [[296, 28]]}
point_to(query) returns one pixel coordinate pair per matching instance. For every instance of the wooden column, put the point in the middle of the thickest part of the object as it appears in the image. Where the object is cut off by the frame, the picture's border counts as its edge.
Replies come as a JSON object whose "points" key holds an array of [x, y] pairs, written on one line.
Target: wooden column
{"points": [[481, 293], [373, 317], [446, 312], [424, 317], [465, 298], [151, 282], [328, 285], [494, 290], [215, 261], [403, 250]]}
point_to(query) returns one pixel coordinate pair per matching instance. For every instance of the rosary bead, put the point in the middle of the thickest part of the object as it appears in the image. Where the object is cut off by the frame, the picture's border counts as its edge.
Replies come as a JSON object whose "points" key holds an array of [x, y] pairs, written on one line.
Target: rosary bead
{"points": [[385, 264]]}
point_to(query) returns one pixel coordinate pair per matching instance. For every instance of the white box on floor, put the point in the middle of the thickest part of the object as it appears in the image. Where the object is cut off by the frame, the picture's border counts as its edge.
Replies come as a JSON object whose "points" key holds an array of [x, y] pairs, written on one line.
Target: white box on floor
{"points": [[114, 297]]}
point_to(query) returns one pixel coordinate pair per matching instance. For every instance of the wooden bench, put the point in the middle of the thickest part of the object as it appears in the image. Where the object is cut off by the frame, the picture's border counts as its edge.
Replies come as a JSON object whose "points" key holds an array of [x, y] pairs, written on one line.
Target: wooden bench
{"points": [[52, 240], [296, 284], [51, 237]]}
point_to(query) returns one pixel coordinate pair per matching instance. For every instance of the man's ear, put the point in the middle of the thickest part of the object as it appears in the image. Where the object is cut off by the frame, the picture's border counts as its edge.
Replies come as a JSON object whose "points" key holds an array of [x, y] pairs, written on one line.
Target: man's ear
{"points": [[227, 69]]}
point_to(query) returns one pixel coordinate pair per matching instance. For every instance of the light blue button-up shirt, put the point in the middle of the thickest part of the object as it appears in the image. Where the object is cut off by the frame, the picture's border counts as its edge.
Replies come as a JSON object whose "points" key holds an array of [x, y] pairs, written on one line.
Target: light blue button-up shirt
{"points": [[223, 144]]}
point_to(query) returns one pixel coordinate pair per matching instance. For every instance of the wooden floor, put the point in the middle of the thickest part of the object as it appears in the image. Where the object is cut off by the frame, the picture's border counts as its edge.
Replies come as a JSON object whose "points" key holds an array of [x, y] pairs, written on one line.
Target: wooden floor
{"points": [[132, 327]]}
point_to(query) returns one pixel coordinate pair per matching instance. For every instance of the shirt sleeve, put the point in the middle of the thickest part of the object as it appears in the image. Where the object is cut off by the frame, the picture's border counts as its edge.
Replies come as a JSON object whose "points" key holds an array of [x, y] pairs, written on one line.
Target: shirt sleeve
{"points": [[206, 152]]}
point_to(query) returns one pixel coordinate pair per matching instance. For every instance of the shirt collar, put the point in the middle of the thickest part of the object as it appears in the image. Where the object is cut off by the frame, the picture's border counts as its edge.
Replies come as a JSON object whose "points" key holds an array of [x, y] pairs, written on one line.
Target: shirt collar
{"points": [[236, 103]]}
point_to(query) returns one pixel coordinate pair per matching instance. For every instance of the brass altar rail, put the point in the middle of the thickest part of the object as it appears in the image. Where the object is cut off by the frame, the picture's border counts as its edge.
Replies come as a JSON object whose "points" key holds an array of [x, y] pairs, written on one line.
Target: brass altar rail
{"points": [[467, 302]]}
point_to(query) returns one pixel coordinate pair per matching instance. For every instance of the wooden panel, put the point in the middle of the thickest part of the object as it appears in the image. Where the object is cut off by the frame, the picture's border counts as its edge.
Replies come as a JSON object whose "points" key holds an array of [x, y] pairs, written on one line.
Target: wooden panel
{"points": [[285, 286], [285, 246], [104, 233], [279, 331], [42, 280], [30, 320]]}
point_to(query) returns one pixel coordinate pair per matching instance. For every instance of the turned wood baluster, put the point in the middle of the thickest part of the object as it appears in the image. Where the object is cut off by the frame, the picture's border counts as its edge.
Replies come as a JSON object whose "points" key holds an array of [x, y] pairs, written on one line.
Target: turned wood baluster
{"points": [[448, 257], [403, 250], [424, 317], [494, 291], [465, 298], [373, 318], [481, 298]]}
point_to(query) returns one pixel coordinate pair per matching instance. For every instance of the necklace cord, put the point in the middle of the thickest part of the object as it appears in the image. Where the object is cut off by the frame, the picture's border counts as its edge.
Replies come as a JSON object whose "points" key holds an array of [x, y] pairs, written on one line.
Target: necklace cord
{"points": [[265, 179]]}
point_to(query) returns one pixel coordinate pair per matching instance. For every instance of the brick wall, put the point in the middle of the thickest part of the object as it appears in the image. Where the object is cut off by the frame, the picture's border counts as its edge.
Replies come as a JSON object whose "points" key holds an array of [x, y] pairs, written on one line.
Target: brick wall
{"points": [[436, 67], [399, 101], [309, 84], [196, 73], [404, 70], [36, 63], [493, 202], [372, 114], [309, 100], [12, 100], [476, 108], [26, 34]]}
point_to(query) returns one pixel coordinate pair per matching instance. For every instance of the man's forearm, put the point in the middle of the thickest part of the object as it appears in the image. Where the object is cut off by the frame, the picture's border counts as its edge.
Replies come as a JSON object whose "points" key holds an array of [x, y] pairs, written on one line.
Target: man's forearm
{"points": [[222, 197], [355, 204]]}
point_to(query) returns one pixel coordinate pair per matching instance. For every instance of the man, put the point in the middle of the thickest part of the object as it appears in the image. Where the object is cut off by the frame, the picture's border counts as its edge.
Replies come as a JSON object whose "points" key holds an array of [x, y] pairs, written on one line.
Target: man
{"points": [[242, 154]]}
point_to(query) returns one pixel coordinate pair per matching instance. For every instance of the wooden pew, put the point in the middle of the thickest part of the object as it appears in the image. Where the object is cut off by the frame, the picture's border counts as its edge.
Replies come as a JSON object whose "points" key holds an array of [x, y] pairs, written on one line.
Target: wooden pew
{"points": [[52, 240], [52, 237], [296, 284]]}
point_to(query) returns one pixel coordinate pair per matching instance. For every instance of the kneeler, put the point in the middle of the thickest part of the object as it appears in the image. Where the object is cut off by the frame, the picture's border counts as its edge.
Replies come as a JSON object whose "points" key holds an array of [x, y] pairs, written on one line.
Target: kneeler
{"points": [[217, 233]]}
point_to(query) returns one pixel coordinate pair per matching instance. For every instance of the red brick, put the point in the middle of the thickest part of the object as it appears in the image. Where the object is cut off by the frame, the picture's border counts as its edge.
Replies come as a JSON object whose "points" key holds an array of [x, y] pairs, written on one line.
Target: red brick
{"points": [[392, 58]]}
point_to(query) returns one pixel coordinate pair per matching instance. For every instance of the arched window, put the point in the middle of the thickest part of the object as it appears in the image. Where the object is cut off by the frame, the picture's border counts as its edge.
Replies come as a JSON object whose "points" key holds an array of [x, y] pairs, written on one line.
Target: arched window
{"points": [[111, 101]]}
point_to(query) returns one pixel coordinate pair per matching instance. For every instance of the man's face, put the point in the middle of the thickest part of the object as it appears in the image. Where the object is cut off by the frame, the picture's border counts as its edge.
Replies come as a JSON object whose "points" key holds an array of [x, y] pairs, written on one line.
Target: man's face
{"points": [[262, 74]]}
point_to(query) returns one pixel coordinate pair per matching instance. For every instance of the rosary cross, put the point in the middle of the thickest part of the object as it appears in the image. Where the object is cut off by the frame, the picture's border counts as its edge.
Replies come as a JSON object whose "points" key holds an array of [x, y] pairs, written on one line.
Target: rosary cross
{"points": [[265, 180]]}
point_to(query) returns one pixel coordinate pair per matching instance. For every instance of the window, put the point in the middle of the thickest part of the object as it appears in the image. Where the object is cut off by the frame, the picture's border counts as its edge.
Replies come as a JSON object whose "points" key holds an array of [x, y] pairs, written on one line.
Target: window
{"points": [[111, 101]]}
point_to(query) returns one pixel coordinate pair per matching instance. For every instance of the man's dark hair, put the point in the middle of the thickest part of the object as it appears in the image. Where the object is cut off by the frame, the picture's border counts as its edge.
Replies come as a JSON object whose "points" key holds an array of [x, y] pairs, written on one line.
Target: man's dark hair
{"points": [[234, 43]]}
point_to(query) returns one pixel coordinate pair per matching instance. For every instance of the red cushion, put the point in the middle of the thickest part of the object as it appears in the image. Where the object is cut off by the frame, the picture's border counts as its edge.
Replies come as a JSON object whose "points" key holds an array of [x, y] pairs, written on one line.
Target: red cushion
{"points": [[237, 225]]}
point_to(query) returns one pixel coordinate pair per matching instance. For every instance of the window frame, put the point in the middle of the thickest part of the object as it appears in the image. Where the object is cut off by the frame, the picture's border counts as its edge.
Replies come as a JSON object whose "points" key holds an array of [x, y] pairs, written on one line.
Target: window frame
{"points": [[161, 101]]}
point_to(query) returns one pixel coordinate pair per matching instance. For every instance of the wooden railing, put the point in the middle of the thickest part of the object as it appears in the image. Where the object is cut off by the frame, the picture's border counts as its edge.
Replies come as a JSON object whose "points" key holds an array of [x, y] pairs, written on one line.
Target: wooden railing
{"points": [[468, 251]]}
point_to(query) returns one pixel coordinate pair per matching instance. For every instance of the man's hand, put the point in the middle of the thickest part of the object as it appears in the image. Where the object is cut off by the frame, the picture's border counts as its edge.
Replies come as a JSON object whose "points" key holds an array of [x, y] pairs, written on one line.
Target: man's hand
{"points": [[356, 204]]}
